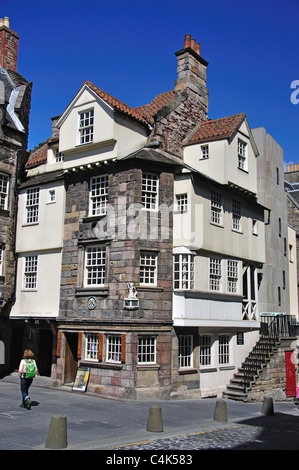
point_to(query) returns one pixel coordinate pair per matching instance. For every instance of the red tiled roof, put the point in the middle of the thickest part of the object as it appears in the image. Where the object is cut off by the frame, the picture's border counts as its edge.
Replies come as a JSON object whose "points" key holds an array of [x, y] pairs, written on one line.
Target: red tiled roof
{"points": [[149, 110], [216, 129], [117, 104], [37, 157]]}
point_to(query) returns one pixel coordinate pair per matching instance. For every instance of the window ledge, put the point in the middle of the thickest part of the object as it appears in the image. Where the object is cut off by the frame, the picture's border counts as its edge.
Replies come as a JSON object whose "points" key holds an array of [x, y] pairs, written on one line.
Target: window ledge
{"points": [[148, 366], [87, 291], [100, 365], [192, 370], [204, 369]]}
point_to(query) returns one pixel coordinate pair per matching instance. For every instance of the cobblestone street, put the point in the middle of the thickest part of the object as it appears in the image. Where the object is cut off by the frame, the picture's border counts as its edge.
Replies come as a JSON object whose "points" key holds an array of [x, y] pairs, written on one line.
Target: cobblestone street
{"points": [[112, 426], [282, 436]]}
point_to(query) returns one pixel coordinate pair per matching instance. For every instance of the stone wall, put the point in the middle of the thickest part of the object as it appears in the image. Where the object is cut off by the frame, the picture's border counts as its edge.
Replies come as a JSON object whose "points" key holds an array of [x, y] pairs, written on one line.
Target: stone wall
{"points": [[272, 381]]}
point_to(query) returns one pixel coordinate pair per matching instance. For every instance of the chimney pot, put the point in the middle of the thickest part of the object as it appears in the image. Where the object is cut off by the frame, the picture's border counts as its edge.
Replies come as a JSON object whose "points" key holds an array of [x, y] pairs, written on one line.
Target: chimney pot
{"points": [[6, 21], [187, 41], [197, 48], [193, 44]]}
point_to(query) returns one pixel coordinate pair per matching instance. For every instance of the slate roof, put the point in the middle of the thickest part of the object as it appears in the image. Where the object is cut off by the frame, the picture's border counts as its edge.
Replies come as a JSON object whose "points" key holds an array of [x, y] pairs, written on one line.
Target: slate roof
{"points": [[216, 129]]}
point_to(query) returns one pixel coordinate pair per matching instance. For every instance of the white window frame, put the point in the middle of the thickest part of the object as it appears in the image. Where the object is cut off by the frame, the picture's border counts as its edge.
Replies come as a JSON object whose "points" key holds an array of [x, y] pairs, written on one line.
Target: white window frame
{"points": [[113, 348], [216, 209], [30, 273], [95, 266], [4, 191], [2, 260], [183, 271], [148, 268], [242, 155], [51, 196], [233, 275], [58, 156], [85, 126], [150, 191], [185, 352], [32, 205], [236, 216], [204, 152], [254, 227], [205, 351], [224, 350], [181, 202], [146, 349], [91, 346], [98, 195], [215, 274]]}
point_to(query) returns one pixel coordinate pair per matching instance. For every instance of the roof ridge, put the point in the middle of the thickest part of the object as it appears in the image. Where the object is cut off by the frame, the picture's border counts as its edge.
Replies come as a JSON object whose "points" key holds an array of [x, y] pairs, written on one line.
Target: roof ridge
{"points": [[215, 129], [116, 103]]}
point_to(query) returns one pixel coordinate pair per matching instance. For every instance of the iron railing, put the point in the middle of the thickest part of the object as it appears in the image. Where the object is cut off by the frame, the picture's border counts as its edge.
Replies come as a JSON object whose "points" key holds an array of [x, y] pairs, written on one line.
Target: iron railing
{"points": [[272, 328]]}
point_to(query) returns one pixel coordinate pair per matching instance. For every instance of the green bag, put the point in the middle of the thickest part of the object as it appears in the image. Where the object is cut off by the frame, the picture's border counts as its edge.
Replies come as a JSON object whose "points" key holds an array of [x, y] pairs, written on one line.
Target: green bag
{"points": [[30, 369]]}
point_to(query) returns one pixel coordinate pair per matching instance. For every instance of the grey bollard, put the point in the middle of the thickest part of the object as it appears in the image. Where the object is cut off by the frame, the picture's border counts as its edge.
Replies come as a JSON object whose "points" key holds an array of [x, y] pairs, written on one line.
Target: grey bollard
{"points": [[267, 408], [154, 420], [57, 435], [220, 412]]}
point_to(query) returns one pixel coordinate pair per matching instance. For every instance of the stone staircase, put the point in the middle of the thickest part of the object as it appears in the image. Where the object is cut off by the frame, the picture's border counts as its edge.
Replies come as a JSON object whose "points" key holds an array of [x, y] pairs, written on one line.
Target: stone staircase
{"points": [[252, 368]]}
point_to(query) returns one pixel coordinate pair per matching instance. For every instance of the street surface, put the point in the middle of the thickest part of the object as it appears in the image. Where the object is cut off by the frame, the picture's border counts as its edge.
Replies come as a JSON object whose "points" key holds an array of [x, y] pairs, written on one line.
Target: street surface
{"points": [[112, 426]]}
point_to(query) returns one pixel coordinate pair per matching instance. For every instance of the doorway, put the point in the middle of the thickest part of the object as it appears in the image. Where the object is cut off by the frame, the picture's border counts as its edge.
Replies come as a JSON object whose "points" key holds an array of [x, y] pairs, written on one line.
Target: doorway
{"points": [[290, 374], [45, 352], [16, 349], [71, 359]]}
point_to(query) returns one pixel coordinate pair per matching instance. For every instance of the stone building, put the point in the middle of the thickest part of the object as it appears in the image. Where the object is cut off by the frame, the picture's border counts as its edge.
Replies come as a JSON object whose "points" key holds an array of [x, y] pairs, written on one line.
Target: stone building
{"points": [[15, 98], [274, 279], [291, 185], [140, 241]]}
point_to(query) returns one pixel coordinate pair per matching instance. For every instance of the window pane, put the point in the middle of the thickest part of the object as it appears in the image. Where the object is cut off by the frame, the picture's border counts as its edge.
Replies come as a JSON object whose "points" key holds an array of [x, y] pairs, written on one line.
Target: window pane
{"points": [[150, 191], [114, 348], [185, 351], [223, 350], [148, 268], [91, 346], [86, 127], [146, 349], [98, 195], [216, 208], [32, 205], [30, 272], [205, 350], [95, 265], [3, 191]]}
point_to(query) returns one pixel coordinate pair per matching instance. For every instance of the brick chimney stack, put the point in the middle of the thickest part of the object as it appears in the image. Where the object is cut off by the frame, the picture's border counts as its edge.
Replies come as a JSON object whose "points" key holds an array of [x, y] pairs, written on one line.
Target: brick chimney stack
{"points": [[9, 42], [192, 71]]}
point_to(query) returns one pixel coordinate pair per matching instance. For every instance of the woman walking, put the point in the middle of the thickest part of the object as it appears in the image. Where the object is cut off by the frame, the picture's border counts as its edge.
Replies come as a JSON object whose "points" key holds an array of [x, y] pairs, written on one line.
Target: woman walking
{"points": [[27, 371]]}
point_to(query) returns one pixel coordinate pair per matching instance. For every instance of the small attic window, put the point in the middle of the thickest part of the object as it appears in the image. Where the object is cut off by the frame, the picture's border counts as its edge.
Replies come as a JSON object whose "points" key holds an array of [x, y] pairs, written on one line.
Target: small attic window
{"points": [[86, 119], [204, 152], [242, 155]]}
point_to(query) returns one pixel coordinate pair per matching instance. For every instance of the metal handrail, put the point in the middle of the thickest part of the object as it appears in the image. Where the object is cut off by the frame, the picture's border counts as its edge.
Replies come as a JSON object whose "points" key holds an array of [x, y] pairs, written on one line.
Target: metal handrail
{"points": [[272, 328]]}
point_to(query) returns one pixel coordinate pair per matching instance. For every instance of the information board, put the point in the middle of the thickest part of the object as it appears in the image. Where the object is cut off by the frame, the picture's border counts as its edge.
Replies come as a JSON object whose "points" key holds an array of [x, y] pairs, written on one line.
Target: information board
{"points": [[81, 380]]}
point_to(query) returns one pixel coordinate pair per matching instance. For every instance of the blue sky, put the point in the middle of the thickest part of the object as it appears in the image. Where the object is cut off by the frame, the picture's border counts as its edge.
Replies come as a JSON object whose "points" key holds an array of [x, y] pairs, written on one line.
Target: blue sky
{"points": [[126, 47]]}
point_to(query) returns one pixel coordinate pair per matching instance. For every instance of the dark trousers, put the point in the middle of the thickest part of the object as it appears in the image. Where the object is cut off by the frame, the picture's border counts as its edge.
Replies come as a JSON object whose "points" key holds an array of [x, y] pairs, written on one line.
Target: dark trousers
{"points": [[25, 384]]}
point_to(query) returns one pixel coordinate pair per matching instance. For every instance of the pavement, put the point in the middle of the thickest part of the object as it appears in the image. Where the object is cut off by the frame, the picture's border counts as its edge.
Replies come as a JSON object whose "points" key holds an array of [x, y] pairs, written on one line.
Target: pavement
{"points": [[112, 425]]}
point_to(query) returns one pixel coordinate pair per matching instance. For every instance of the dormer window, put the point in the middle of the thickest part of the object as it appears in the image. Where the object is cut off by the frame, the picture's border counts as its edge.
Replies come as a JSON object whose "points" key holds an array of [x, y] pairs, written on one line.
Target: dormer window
{"points": [[242, 155], [86, 127]]}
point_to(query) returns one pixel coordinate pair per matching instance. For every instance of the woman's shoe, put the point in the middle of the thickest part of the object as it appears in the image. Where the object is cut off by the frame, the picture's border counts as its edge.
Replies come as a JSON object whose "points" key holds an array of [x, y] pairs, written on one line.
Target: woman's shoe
{"points": [[28, 403]]}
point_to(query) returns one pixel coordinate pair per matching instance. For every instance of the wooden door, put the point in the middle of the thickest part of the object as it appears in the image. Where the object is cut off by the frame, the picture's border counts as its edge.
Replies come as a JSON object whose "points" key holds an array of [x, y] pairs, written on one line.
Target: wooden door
{"points": [[290, 374], [71, 359]]}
